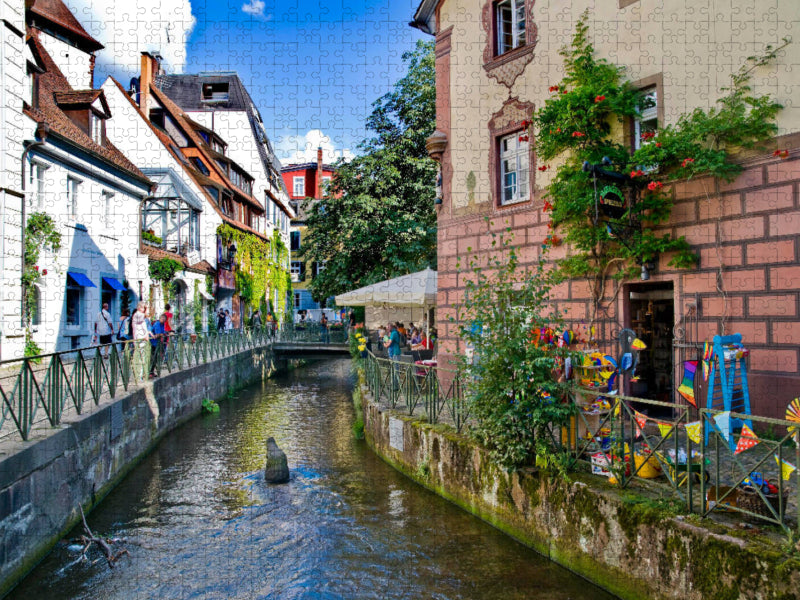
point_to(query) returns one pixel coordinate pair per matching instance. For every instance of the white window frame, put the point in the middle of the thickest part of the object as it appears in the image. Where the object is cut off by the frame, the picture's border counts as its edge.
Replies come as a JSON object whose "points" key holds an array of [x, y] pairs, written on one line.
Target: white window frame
{"points": [[296, 299], [73, 190], [518, 153], [37, 178], [648, 118], [108, 206], [298, 186], [515, 9], [326, 185], [96, 123], [295, 270]]}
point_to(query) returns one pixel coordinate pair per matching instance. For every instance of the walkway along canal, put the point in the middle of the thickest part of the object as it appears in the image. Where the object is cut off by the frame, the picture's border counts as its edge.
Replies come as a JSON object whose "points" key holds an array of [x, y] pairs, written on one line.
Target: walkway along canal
{"points": [[200, 522]]}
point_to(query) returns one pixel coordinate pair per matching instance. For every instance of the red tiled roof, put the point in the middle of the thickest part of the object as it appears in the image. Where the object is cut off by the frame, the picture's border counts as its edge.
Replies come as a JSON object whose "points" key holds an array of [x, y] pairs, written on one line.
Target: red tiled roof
{"points": [[77, 96], [53, 82], [57, 13]]}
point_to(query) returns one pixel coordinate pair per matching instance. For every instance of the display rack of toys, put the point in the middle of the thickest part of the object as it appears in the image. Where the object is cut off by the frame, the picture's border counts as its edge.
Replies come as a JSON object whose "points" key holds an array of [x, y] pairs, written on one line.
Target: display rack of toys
{"points": [[726, 366]]}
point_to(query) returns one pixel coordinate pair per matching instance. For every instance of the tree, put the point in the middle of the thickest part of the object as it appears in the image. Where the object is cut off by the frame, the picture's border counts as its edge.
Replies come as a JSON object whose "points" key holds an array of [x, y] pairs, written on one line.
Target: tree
{"points": [[379, 220]]}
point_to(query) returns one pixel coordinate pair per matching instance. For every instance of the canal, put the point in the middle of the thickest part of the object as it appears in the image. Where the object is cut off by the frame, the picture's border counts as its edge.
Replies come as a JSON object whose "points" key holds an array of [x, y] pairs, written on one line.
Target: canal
{"points": [[199, 522]]}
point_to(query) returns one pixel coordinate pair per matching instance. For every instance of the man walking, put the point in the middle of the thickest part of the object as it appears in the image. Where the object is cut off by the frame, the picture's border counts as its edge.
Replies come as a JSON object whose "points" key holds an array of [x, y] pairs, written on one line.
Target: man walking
{"points": [[103, 329]]}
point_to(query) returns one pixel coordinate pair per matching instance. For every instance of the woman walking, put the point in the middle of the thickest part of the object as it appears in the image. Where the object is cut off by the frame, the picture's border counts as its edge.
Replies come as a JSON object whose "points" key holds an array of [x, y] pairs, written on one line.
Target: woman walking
{"points": [[141, 336]]}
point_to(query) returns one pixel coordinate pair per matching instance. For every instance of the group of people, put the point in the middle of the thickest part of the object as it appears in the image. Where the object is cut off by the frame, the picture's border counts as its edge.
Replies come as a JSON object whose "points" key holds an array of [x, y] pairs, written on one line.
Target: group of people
{"points": [[149, 338], [396, 335]]}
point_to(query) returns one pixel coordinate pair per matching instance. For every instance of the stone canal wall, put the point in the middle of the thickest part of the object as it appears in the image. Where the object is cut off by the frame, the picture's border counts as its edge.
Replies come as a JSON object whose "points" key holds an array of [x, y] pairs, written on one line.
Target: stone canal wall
{"points": [[43, 482], [631, 547]]}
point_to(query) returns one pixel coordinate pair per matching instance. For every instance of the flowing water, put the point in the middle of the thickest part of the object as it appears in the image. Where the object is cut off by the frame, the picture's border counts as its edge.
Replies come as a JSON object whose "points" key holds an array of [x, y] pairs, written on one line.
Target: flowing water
{"points": [[199, 521]]}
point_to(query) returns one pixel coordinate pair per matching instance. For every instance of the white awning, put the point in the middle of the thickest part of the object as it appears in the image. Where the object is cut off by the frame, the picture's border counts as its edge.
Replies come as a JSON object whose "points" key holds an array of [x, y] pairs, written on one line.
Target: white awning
{"points": [[415, 289], [205, 294]]}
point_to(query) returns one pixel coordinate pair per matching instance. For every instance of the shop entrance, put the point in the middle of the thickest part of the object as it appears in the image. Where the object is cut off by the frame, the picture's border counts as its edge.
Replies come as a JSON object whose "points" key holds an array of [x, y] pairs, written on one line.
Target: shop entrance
{"points": [[651, 315]]}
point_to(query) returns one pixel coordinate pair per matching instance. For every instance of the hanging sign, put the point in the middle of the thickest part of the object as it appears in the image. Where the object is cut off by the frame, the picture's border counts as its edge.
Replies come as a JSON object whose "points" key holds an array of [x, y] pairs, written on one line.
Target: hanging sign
{"points": [[611, 202]]}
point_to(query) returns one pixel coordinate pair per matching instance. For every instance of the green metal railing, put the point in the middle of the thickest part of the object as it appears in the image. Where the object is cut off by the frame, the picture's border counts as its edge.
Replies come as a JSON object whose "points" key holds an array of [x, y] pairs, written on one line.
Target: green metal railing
{"points": [[54, 383], [611, 438]]}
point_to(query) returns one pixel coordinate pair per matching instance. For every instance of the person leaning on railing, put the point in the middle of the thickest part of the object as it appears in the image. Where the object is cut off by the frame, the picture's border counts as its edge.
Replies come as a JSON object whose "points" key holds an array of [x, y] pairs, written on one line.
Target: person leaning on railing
{"points": [[158, 341]]}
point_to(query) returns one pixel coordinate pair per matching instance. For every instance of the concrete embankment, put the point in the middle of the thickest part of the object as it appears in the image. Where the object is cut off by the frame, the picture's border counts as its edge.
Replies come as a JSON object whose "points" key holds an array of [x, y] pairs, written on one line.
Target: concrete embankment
{"points": [[631, 546], [42, 482]]}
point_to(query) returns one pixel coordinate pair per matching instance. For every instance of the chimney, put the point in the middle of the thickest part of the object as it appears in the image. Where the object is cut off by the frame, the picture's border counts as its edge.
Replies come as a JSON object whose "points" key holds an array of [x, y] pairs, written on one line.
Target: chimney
{"points": [[319, 173], [151, 66]]}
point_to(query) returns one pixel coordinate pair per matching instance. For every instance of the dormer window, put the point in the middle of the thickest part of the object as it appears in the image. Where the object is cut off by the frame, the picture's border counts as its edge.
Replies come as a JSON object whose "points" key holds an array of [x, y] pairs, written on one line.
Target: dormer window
{"points": [[215, 92], [96, 125]]}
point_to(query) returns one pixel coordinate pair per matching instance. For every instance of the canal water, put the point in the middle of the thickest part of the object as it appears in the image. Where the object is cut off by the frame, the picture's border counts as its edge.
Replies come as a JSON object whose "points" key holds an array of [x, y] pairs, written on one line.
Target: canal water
{"points": [[199, 521]]}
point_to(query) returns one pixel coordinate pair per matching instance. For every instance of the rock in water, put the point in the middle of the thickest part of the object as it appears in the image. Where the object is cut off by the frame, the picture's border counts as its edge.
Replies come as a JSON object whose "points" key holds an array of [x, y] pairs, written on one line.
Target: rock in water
{"points": [[277, 470]]}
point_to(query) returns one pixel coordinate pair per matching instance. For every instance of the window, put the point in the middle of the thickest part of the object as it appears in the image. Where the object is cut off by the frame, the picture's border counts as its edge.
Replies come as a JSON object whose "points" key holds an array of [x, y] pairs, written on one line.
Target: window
{"points": [[96, 123], [108, 206], [201, 166], [318, 267], [326, 185], [73, 186], [37, 184], [510, 19], [73, 302], [297, 299], [647, 124], [299, 186], [298, 271], [514, 176], [215, 92], [294, 238], [35, 305]]}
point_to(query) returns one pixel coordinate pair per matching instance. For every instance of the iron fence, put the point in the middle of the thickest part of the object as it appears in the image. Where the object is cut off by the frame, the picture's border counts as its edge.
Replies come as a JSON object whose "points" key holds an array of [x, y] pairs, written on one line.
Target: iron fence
{"points": [[669, 448], [42, 388]]}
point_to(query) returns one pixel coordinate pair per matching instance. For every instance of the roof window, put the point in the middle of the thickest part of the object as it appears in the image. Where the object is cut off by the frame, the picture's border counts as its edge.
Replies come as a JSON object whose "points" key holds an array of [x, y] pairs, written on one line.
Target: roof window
{"points": [[215, 92]]}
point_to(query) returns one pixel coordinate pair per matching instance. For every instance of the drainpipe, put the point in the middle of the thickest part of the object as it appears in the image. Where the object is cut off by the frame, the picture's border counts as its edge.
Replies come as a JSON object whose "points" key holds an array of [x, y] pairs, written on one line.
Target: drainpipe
{"points": [[42, 130]]}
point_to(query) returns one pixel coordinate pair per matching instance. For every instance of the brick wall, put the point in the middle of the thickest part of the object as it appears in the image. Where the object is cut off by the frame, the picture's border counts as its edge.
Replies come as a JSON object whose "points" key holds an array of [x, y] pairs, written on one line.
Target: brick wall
{"points": [[746, 235]]}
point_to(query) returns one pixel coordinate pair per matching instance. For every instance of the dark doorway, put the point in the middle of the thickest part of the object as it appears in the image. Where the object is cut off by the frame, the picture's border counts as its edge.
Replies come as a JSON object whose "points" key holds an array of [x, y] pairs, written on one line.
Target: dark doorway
{"points": [[651, 315]]}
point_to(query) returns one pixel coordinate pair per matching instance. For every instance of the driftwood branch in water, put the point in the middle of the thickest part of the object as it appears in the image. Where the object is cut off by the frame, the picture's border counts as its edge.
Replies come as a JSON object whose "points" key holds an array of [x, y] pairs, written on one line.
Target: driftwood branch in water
{"points": [[90, 538]]}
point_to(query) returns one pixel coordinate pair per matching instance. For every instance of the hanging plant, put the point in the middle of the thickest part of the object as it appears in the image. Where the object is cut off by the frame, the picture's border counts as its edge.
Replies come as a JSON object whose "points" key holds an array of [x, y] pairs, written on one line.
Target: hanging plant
{"points": [[40, 234]]}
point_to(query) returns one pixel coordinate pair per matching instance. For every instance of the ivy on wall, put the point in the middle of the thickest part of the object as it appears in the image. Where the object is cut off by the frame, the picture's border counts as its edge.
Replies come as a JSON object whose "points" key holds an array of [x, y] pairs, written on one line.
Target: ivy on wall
{"points": [[40, 233], [577, 124], [261, 267]]}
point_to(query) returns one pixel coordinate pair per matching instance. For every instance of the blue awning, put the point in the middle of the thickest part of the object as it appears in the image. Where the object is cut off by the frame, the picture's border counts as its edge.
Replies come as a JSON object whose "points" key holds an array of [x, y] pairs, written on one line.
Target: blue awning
{"points": [[115, 285], [80, 279]]}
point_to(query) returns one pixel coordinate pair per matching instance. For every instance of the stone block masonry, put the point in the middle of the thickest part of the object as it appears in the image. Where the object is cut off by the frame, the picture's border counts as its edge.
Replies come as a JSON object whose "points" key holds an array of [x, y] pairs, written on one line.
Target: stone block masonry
{"points": [[43, 482], [632, 547]]}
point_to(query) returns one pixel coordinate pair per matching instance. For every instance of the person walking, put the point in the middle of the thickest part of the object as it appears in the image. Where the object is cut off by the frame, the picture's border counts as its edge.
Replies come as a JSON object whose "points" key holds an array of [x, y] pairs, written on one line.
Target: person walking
{"points": [[221, 321], [256, 321], [103, 329], [124, 330], [158, 342], [228, 321], [141, 346]]}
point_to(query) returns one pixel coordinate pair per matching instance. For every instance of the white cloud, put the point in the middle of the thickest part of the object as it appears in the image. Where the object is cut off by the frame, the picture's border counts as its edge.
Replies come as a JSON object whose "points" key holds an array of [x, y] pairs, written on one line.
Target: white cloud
{"points": [[300, 149], [254, 7], [129, 27]]}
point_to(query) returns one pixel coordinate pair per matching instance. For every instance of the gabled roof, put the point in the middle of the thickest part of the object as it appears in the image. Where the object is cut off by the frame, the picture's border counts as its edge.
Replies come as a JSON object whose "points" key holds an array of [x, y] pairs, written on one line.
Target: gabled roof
{"points": [[56, 14], [51, 83], [78, 98]]}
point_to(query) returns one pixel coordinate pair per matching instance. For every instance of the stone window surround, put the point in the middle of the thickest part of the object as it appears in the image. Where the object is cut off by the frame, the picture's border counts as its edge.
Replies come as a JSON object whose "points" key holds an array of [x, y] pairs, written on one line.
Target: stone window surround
{"points": [[502, 124], [506, 67]]}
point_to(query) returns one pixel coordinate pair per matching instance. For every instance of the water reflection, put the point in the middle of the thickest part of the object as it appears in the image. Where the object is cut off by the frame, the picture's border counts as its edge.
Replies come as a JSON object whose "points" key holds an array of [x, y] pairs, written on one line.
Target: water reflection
{"points": [[201, 523]]}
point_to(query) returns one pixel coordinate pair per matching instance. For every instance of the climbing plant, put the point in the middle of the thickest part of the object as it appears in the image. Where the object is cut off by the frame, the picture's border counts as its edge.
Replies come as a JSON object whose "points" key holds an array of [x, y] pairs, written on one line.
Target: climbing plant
{"points": [[261, 265], [40, 234], [163, 271], [583, 122]]}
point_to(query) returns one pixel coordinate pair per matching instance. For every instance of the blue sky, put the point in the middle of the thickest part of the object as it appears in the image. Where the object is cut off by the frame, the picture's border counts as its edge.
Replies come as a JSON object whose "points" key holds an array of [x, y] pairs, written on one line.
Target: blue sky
{"points": [[309, 65]]}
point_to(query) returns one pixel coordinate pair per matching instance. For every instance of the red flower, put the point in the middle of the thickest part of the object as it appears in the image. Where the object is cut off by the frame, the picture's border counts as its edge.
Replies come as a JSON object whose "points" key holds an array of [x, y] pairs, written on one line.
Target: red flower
{"points": [[526, 124], [781, 153], [687, 161], [35, 267], [44, 271], [648, 135], [658, 144], [599, 98], [578, 134], [638, 173], [550, 225], [543, 168], [555, 239], [523, 138], [563, 91], [558, 130], [547, 206], [553, 88], [654, 185]]}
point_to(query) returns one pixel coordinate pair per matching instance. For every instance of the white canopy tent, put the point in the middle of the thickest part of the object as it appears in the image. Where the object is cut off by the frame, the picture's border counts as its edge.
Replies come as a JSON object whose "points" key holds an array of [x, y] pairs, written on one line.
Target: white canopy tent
{"points": [[412, 290]]}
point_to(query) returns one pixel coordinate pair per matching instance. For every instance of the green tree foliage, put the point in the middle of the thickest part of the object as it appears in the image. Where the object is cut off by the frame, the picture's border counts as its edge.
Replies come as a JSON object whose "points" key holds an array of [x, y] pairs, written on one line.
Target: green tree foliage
{"points": [[577, 123], [512, 330], [379, 221]]}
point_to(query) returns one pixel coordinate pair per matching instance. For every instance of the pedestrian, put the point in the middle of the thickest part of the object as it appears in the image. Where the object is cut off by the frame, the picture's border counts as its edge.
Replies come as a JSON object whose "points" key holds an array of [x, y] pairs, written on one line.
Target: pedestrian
{"points": [[221, 321], [124, 328], [255, 322], [392, 346], [228, 321], [323, 329], [158, 336], [103, 329], [140, 329]]}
